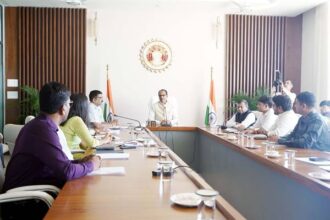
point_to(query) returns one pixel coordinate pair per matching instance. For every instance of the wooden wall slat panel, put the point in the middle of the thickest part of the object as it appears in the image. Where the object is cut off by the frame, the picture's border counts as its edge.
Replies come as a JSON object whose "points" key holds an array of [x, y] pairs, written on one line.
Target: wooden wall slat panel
{"points": [[52, 47], [254, 50]]}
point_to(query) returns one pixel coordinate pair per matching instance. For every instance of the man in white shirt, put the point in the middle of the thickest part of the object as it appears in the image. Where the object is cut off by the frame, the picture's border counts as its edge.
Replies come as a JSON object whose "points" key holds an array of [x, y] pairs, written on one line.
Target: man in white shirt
{"points": [[286, 120], [286, 90], [244, 118], [163, 112], [267, 118], [95, 111]]}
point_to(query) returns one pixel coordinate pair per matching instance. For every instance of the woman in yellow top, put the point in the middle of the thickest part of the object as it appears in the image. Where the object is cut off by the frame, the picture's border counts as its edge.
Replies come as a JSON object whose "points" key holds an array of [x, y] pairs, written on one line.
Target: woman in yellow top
{"points": [[75, 127]]}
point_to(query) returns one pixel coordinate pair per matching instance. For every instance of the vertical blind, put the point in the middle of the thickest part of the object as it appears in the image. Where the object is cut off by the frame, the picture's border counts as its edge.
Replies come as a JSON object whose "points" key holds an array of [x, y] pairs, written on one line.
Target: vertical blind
{"points": [[51, 47], [254, 51]]}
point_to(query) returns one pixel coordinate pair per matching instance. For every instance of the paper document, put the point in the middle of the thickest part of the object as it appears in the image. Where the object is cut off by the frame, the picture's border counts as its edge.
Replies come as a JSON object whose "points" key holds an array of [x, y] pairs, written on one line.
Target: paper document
{"points": [[260, 137], [114, 156], [133, 144], [113, 171], [327, 168], [306, 159]]}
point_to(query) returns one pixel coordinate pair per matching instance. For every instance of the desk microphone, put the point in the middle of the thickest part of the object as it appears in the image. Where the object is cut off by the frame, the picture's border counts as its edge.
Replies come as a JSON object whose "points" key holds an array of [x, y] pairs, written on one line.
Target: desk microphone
{"points": [[138, 127]]}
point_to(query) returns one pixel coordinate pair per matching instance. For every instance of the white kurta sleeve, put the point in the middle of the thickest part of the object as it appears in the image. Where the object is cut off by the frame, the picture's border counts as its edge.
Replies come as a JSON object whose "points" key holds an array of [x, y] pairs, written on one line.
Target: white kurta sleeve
{"points": [[231, 122]]}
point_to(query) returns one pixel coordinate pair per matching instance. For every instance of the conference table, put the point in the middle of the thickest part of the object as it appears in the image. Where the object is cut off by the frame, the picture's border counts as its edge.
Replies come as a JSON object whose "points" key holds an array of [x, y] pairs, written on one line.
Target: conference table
{"points": [[257, 186], [136, 194]]}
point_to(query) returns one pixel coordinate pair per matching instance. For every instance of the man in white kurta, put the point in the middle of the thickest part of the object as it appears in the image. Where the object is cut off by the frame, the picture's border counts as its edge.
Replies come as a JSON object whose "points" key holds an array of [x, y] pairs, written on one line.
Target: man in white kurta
{"points": [[163, 112], [243, 118]]}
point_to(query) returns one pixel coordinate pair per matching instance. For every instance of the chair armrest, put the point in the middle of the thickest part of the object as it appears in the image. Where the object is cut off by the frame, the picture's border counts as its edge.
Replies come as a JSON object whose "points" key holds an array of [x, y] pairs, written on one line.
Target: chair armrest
{"points": [[53, 190], [26, 195]]}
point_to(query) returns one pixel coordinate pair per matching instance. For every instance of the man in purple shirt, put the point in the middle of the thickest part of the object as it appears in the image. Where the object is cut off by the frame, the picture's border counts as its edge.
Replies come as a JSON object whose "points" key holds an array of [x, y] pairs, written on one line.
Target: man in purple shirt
{"points": [[38, 157]]}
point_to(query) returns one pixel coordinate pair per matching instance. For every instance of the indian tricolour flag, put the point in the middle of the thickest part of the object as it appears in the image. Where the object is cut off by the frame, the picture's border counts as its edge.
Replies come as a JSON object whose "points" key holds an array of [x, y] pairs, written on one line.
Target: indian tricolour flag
{"points": [[210, 115], [109, 107]]}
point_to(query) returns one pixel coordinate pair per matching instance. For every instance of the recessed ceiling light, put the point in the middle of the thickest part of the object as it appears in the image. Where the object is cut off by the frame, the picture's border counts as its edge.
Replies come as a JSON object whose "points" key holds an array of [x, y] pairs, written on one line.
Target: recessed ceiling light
{"points": [[73, 2]]}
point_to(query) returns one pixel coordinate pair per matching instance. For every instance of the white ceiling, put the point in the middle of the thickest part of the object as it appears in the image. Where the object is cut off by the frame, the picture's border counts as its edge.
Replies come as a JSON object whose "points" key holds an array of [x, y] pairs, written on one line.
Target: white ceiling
{"points": [[257, 7]]}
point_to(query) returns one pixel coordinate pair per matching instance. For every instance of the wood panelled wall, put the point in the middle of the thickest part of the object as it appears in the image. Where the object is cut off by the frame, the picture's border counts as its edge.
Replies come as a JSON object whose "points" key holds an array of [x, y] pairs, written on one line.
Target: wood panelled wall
{"points": [[51, 46], [257, 46]]}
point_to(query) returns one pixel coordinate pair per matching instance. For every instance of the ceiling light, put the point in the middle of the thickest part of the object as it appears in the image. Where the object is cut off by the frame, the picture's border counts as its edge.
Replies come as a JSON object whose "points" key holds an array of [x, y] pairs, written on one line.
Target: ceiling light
{"points": [[73, 2]]}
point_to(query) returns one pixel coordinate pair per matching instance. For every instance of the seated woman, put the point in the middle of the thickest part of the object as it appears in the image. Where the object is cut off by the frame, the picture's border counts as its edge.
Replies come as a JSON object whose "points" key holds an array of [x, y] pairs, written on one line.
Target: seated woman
{"points": [[75, 127]]}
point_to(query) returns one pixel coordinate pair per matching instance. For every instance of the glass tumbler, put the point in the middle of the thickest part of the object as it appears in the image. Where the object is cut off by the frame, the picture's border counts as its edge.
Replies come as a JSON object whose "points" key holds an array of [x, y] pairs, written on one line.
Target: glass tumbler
{"points": [[289, 155], [166, 170], [206, 209]]}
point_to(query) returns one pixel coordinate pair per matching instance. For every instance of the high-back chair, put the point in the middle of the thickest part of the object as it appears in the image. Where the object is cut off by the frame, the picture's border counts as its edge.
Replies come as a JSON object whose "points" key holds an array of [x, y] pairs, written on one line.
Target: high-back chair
{"points": [[10, 133], [27, 202]]}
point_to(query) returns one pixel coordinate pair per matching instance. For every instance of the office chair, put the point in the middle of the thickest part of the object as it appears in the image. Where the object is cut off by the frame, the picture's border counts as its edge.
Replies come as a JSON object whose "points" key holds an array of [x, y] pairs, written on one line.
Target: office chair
{"points": [[10, 133], [27, 202]]}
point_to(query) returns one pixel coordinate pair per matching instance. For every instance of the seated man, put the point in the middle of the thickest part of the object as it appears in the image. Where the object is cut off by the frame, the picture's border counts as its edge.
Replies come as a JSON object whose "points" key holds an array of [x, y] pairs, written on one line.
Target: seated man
{"points": [[267, 118], [38, 157], [95, 111], [286, 120], [163, 112], [311, 130], [325, 110], [244, 118]]}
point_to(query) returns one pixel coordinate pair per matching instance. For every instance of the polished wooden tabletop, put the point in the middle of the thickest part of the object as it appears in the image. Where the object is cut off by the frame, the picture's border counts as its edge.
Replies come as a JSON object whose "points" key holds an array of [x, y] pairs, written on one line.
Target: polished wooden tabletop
{"points": [[172, 128], [298, 170], [136, 195]]}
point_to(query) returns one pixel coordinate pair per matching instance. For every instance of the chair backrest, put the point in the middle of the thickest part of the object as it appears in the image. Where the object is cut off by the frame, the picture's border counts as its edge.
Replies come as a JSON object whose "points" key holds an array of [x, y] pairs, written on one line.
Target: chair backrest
{"points": [[10, 133], [2, 172], [28, 119]]}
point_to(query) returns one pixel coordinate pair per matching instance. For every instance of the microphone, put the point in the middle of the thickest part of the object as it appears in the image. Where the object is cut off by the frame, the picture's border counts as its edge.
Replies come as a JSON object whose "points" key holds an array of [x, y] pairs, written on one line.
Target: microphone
{"points": [[138, 127], [109, 117]]}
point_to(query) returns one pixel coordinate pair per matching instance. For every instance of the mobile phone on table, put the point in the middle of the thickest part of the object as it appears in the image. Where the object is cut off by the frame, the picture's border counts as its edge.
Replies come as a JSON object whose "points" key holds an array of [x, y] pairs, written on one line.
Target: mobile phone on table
{"points": [[318, 159]]}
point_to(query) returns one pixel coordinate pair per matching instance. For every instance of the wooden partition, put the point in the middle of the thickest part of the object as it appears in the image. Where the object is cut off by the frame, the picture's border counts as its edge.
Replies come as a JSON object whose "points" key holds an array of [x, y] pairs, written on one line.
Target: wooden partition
{"points": [[257, 46], [48, 44]]}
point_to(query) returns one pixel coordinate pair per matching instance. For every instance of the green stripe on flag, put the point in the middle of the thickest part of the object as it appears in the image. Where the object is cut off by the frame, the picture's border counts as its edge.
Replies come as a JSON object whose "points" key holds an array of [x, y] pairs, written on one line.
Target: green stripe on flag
{"points": [[206, 121]]}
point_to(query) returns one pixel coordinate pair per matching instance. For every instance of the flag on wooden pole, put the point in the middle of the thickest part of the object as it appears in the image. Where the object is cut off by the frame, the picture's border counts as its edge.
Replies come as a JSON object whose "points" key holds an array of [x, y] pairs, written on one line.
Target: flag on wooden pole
{"points": [[210, 115], [111, 108]]}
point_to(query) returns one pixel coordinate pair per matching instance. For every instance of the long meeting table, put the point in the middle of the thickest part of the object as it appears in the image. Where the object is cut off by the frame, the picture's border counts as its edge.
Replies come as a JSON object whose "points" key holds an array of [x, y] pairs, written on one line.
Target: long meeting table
{"points": [[135, 195], [257, 186]]}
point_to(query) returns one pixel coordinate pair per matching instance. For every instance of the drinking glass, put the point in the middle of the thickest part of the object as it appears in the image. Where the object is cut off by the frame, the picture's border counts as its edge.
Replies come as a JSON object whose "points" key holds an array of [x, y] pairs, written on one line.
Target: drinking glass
{"points": [[166, 170], [250, 141], [241, 139], [163, 153], [289, 155], [270, 148], [206, 208]]}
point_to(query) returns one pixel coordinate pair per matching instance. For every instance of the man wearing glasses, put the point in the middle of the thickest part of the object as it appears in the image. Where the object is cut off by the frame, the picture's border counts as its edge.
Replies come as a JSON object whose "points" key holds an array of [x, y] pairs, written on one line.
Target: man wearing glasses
{"points": [[163, 112]]}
